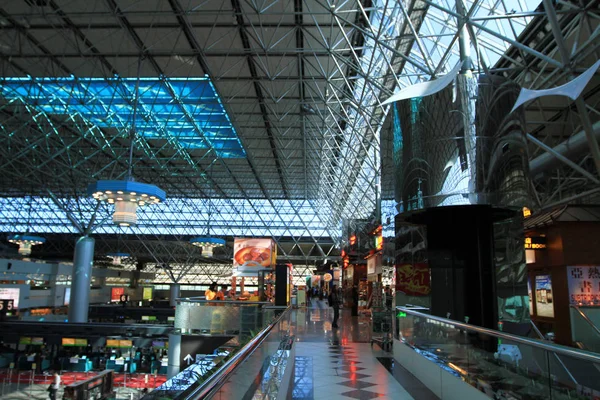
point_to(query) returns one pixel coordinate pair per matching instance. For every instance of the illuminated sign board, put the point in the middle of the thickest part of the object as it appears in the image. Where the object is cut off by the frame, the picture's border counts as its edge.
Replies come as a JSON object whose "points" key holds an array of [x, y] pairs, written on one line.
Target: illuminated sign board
{"points": [[118, 343], [116, 293], [11, 294], [148, 318], [147, 293], [535, 243], [526, 212], [584, 285]]}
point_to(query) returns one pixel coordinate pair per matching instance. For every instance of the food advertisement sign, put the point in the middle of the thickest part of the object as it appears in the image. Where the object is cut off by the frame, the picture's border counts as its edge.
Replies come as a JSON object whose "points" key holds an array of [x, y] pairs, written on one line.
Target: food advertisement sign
{"points": [[254, 254], [413, 279], [544, 301], [584, 285]]}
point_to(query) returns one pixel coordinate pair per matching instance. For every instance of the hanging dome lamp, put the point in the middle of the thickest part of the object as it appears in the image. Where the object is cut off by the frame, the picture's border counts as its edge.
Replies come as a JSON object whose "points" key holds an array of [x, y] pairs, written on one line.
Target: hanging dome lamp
{"points": [[208, 244], [25, 242]]}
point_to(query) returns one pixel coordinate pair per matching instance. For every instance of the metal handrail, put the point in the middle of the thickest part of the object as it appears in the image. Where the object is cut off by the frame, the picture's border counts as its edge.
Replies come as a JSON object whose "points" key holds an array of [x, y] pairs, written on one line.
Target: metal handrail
{"points": [[541, 336], [586, 319], [565, 351], [203, 301], [214, 382]]}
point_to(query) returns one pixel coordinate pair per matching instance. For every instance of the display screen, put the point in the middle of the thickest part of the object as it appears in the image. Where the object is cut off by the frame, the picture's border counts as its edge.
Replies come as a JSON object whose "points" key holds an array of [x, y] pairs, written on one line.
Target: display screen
{"points": [[38, 341], [148, 318], [68, 341], [172, 319], [544, 302], [81, 342], [118, 343], [158, 344], [24, 340], [11, 294]]}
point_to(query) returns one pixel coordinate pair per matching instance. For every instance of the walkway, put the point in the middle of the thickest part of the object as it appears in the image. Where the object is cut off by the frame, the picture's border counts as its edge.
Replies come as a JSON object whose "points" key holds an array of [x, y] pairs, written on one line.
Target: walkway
{"points": [[341, 364]]}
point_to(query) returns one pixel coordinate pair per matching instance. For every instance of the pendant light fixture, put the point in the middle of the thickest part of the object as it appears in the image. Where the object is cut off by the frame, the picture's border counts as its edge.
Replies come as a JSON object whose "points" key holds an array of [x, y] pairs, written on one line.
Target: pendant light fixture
{"points": [[26, 241], [127, 195]]}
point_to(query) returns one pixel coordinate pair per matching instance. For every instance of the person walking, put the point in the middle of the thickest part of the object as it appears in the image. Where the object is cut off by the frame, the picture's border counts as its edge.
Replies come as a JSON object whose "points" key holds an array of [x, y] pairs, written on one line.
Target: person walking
{"points": [[335, 303], [54, 386]]}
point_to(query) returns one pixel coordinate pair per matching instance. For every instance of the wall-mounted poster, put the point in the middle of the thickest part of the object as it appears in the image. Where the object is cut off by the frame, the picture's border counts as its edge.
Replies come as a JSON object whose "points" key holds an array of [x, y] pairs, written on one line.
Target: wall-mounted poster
{"points": [[543, 296], [530, 295], [116, 293], [147, 293], [584, 285], [254, 254], [67, 298], [413, 279]]}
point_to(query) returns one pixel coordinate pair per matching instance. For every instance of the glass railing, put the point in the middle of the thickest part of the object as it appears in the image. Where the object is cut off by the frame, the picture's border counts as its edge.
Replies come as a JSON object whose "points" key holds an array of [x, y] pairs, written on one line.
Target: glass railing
{"points": [[584, 330], [498, 364], [243, 318], [267, 336]]}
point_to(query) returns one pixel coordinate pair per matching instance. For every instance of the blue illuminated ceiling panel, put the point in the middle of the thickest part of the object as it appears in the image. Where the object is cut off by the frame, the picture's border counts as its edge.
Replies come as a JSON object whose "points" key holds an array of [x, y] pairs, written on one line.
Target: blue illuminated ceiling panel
{"points": [[188, 110]]}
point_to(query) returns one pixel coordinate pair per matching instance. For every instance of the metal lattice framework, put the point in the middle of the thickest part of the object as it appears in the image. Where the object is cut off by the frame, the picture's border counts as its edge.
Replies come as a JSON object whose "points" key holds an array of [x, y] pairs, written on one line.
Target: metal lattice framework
{"points": [[300, 142]]}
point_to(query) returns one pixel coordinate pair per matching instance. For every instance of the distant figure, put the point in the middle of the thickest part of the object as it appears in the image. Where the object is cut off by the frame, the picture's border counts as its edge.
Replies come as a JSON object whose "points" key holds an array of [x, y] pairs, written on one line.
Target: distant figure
{"points": [[211, 292], [54, 386], [334, 301], [222, 294], [354, 301]]}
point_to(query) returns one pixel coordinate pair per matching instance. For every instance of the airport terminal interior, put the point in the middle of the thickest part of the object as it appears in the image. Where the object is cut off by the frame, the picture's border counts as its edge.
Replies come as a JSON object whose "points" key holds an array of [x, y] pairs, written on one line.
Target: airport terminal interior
{"points": [[300, 199]]}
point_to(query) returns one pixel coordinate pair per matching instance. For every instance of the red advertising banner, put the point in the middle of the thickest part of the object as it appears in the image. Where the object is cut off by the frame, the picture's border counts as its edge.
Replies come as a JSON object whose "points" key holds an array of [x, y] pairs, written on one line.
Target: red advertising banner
{"points": [[116, 292], [413, 279]]}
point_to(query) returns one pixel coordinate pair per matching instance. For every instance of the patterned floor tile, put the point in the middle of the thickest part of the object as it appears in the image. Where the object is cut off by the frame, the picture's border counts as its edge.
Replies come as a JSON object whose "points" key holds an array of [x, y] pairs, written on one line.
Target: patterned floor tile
{"points": [[362, 394], [356, 384]]}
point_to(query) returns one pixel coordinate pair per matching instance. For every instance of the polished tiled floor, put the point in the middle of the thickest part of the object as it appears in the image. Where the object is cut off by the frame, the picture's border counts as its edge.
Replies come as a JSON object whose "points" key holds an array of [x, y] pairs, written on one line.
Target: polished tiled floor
{"points": [[341, 364]]}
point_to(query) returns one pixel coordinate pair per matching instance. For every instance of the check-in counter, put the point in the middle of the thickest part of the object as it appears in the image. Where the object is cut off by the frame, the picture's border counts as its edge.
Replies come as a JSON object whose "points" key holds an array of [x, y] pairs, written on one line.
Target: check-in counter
{"points": [[77, 364], [159, 367], [122, 365], [26, 363]]}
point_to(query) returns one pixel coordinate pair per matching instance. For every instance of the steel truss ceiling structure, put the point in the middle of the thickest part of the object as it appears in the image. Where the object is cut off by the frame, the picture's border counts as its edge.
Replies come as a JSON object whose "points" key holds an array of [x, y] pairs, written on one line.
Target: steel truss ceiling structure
{"points": [[300, 83]]}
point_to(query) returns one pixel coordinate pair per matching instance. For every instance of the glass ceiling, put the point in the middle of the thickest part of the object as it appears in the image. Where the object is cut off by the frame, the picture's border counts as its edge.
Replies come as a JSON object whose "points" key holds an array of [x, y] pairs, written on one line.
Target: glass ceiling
{"points": [[188, 110]]}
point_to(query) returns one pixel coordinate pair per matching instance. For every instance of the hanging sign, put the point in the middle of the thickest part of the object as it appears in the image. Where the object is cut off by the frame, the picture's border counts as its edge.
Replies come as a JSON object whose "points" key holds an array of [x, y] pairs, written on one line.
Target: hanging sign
{"points": [[116, 293], [254, 254], [535, 243]]}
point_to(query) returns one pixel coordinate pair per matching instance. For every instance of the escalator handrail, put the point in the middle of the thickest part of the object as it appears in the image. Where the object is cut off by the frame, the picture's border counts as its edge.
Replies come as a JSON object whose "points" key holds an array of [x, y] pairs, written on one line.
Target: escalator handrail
{"points": [[214, 383], [561, 350], [586, 319]]}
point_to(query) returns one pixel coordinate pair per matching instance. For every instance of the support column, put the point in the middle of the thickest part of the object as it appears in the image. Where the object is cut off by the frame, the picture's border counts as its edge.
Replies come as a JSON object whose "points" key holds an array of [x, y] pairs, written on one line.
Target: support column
{"points": [[174, 294], [82, 276], [460, 243]]}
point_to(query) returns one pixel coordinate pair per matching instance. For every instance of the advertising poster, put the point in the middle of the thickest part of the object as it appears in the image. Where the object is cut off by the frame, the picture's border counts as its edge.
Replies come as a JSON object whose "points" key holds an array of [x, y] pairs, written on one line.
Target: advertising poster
{"points": [[584, 285], [116, 293], [413, 279], [147, 293], [543, 296], [67, 298], [254, 254], [11, 294], [530, 295]]}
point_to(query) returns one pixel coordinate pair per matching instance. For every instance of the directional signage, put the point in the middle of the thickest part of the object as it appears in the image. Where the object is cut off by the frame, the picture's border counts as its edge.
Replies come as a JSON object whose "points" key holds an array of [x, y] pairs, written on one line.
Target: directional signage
{"points": [[193, 345]]}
